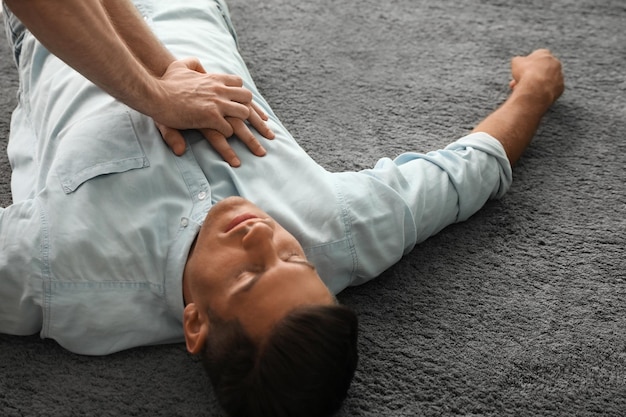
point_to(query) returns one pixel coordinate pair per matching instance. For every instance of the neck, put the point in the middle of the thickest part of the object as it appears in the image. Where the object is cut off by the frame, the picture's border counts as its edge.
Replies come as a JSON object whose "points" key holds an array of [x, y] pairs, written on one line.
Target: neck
{"points": [[186, 291]]}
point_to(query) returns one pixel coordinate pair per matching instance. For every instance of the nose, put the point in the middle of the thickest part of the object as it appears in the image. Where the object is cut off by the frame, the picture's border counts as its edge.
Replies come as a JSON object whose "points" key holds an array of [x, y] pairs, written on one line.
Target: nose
{"points": [[258, 242]]}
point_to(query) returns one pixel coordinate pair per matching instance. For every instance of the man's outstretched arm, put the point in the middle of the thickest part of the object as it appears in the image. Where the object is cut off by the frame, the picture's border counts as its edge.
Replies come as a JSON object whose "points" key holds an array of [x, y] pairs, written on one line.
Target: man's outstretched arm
{"points": [[537, 84], [110, 44]]}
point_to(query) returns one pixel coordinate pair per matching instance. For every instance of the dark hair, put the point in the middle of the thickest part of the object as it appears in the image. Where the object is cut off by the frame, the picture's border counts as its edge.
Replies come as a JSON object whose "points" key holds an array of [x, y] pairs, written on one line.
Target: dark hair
{"points": [[303, 367]]}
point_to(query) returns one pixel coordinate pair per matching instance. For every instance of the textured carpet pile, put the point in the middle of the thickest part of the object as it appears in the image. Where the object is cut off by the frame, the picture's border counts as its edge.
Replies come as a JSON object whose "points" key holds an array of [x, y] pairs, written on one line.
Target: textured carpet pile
{"points": [[520, 311]]}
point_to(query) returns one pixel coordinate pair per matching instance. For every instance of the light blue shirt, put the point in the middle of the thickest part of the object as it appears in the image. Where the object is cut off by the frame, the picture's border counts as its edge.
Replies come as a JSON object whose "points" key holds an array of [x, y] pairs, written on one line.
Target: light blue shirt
{"points": [[93, 248]]}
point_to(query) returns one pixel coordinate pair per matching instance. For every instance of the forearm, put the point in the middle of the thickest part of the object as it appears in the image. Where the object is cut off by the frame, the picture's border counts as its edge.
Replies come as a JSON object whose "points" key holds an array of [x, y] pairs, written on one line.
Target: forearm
{"points": [[138, 36], [515, 123], [80, 33]]}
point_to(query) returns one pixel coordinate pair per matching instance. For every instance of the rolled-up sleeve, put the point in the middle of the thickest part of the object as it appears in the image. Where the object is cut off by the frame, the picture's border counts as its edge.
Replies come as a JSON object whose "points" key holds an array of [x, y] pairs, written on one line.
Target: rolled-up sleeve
{"points": [[404, 201]]}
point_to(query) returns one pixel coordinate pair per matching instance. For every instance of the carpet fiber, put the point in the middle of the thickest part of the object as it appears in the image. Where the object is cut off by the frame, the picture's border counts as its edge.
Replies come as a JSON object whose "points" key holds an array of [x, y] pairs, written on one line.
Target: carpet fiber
{"points": [[519, 311]]}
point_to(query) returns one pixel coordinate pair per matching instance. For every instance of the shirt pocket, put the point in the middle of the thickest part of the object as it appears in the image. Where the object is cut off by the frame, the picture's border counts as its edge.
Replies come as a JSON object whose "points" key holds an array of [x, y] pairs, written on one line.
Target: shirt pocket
{"points": [[102, 145]]}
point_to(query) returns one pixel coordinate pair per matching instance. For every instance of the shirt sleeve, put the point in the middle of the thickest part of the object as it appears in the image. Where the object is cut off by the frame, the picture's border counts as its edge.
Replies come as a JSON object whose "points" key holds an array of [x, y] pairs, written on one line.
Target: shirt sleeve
{"points": [[21, 248], [402, 202], [462, 177]]}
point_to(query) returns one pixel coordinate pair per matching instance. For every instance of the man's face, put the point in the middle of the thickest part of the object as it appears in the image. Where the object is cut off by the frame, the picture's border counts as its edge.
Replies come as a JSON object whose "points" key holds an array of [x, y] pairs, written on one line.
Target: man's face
{"points": [[244, 265]]}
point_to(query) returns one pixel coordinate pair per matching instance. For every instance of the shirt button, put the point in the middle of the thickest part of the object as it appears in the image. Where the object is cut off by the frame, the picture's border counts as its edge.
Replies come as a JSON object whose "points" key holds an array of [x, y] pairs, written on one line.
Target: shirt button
{"points": [[184, 222], [202, 196]]}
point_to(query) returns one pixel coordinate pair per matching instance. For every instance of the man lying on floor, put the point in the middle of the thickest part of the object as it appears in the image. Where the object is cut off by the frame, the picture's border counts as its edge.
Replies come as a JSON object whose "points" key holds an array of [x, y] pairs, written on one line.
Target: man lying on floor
{"points": [[117, 238]]}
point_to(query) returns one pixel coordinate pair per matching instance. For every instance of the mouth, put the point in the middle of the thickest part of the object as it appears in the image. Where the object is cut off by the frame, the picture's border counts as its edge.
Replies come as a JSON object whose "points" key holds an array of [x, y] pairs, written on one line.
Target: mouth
{"points": [[238, 220]]}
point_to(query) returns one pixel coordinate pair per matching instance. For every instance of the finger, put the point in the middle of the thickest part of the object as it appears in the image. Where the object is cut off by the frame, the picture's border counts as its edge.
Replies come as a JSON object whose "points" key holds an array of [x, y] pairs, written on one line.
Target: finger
{"points": [[259, 111], [516, 65], [173, 138], [235, 109], [257, 122], [542, 51], [221, 146], [516, 61], [239, 94], [220, 124], [231, 80], [246, 136]]}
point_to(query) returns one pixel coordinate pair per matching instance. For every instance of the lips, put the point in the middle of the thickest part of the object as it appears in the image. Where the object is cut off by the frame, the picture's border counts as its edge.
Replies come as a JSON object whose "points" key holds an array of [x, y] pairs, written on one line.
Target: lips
{"points": [[240, 219]]}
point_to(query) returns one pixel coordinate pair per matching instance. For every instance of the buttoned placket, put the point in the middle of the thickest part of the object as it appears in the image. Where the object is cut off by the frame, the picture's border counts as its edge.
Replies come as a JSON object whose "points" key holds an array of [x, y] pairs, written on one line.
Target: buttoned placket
{"points": [[198, 186], [200, 197]]}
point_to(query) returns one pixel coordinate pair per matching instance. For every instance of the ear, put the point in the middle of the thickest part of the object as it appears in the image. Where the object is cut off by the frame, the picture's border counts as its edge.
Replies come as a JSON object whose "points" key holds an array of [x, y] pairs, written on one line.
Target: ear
{"points": [[196, 328]]}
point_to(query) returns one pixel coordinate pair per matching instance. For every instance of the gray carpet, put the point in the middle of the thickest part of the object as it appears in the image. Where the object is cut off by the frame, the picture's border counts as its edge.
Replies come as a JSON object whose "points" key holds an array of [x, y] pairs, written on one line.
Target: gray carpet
{"points": [[520, 311]]}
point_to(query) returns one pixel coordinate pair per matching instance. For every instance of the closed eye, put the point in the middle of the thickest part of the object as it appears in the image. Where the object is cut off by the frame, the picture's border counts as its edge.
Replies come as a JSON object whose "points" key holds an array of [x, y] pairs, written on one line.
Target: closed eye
{"points": [[296, 258], [256, 276]]}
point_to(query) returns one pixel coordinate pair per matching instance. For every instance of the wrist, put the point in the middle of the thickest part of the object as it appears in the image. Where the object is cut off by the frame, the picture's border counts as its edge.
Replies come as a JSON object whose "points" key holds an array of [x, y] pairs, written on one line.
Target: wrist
{"points": [[150, 100], [541, 93], [141, 89]]}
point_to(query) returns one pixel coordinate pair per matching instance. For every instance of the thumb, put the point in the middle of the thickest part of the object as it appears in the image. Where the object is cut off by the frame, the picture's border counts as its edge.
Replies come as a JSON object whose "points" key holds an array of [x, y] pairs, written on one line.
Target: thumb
{"points": [[193, 63]]}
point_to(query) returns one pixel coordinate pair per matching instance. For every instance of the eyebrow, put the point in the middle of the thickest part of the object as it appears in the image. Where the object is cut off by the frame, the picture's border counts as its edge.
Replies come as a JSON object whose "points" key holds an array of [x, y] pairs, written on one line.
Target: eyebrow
{"points": [[258, 276]]}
